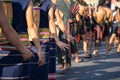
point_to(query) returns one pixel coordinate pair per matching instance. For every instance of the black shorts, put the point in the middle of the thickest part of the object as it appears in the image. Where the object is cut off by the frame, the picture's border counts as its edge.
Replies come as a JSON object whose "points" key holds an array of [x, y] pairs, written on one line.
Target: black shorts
{"points": [[81, 30], [115, 27], [107, 30]]}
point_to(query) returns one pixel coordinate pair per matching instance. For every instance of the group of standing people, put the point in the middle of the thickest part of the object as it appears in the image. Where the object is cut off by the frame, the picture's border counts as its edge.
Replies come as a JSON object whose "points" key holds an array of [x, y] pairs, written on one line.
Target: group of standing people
{"points": [[97, 18], [24, 24], [71, 18]]}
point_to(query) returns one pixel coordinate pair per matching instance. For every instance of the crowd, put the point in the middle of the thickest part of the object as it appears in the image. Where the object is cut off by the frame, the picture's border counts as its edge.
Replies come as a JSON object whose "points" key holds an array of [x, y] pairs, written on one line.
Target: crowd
{"points": [[61, 26]]}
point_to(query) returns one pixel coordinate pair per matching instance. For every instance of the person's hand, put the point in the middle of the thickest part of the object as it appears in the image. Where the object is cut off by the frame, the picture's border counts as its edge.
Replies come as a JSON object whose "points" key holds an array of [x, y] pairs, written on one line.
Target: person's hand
{"points": [[27, 54], [41, 60], [70, 37], [63, 46]]}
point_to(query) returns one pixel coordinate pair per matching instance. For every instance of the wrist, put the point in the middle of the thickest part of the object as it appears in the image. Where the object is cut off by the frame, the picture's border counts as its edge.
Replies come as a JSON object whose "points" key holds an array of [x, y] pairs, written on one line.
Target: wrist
{"points": [[56, 40], [67, 34], [23, 50], [40, 53], [55, 37]]}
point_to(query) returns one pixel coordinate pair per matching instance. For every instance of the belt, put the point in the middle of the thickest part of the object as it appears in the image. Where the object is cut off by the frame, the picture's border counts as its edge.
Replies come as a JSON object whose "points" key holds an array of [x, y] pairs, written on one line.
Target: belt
{"points": [[44, 33], [23, 38]]}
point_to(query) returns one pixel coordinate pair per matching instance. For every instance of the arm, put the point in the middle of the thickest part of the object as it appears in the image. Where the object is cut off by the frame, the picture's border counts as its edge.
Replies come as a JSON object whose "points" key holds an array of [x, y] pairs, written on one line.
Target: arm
{"points": [[53, 29], [59, 15], [78, 19], [33, 31], [12, 36], [117, 16], [111, 17], [60, 22]]}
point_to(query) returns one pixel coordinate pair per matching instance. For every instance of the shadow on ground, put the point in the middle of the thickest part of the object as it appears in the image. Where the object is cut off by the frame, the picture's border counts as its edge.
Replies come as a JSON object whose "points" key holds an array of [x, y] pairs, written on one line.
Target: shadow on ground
{"points": [[106, 67]]}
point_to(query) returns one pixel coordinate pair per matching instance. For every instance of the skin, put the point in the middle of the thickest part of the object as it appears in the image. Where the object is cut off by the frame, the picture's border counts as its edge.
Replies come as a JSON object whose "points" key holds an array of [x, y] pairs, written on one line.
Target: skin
{"points": [[100, 17], [74, 12], [33, 32], [77, 59], [109, 14], [52, 27], [79, 22], [82, 13], [57, 14], [110, 20], [88, 15], [12, 36], [117, 19]]}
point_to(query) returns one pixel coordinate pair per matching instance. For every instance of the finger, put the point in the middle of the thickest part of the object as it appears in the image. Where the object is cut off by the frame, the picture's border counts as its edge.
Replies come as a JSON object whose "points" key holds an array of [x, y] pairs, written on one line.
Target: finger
{"points": [[67, 45], [76, 39], [40, 63], [32, 55], [26, 59], [64, 48], [61, 48]]}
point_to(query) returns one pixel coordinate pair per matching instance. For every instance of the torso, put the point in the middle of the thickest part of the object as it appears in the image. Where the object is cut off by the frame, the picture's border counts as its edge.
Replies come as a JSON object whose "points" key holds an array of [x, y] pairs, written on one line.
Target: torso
{"points": [[117, 16], [81, 10], [99, 15], [109, 14]]}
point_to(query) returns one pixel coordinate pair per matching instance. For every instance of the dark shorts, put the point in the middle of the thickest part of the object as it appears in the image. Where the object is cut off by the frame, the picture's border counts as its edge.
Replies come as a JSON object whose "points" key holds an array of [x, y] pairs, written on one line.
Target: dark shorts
{"points": [[115, 27], [106, 31], [59, 52], [81, 30], [106, 28]]}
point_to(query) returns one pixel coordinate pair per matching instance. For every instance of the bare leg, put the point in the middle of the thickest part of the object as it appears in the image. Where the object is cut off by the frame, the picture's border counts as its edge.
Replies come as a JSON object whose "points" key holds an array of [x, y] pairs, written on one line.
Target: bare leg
{"points": [[90, 43], [116, 40], [85, 46], [111, 40], [62, 69], [107, 43], [97, 41], [77, 59], [118, 49], [96, 48]]}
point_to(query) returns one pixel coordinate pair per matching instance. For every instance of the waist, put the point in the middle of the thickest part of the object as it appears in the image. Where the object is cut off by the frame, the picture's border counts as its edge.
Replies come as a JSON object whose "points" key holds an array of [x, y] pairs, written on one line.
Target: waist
{"points": [[44, 33], [11, 48], [23, 38]]}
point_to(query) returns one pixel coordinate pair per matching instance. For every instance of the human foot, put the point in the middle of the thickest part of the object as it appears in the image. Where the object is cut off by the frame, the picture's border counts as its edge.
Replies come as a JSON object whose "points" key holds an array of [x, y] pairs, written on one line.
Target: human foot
{"points": [[78, 60]]}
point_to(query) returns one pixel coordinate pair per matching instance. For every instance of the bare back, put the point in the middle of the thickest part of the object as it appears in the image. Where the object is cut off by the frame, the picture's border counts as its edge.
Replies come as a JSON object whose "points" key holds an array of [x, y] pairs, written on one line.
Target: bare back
{"points": [[117, 16], [109, 14], [82, 10], [100, 15]]}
